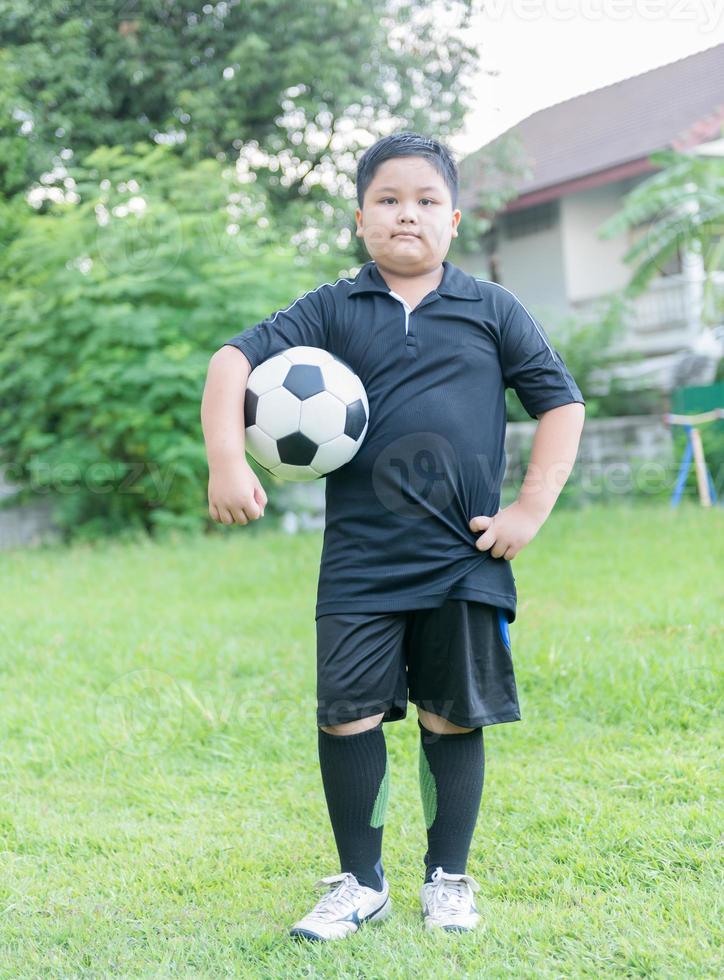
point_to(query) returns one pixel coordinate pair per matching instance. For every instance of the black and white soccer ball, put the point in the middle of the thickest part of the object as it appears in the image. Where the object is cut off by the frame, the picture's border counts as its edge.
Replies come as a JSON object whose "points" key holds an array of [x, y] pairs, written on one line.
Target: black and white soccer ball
{"points": [[306, 413]]}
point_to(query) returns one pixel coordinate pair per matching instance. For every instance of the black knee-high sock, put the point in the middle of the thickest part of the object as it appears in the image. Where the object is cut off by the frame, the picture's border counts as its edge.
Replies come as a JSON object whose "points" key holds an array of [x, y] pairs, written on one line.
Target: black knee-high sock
{"points": [[356, 785], [451, 771]]}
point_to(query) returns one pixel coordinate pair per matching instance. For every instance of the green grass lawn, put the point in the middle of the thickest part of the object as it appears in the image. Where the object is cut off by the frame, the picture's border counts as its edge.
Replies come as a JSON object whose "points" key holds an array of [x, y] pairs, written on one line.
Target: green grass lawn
{"points": [[162, 811]]}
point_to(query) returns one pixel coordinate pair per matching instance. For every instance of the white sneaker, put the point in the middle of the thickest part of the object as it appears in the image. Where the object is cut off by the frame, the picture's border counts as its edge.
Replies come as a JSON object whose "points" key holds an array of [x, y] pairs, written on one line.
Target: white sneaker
{"points": [[345, 907], [448, 903]]}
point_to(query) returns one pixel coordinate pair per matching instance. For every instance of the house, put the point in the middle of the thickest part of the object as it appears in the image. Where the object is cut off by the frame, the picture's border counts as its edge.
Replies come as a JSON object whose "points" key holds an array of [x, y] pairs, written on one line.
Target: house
{"points": [[583, 156]]}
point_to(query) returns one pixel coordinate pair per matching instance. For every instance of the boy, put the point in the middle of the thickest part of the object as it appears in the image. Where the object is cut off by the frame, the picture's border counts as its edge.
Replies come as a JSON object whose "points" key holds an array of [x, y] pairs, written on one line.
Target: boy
{"points": [[412, 604]]}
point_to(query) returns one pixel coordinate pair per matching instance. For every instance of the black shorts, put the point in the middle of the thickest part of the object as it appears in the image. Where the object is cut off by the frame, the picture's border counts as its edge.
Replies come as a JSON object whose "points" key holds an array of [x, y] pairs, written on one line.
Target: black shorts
{"points": [[455, 660]]}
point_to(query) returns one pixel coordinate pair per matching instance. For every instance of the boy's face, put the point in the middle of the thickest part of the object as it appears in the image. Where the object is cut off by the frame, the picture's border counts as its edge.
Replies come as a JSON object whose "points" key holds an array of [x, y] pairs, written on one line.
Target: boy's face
{"points": [[407, 194]]}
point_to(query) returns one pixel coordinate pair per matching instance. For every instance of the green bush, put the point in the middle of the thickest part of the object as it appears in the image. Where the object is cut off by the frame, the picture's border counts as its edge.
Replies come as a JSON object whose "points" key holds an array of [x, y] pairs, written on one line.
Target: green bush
{"points": [[114, 302]]}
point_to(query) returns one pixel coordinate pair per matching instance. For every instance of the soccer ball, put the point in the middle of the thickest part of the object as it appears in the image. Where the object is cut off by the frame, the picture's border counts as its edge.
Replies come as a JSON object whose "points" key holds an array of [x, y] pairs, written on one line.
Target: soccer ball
{"points": [[306, 413]]}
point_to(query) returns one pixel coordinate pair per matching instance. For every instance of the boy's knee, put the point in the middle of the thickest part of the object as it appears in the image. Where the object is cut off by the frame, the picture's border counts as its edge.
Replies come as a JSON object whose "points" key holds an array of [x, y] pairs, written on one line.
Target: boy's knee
{"points": [[354, 727], [439, 725]]}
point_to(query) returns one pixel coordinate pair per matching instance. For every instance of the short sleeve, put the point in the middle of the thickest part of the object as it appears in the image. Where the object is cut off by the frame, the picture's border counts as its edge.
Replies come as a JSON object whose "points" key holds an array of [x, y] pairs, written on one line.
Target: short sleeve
{"points": [[303, 324], [532, 366]]}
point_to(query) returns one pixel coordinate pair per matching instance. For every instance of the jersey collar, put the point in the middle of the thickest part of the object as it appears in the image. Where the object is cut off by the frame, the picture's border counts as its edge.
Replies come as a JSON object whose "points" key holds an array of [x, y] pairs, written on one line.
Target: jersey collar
{"points": [[455, 283]]}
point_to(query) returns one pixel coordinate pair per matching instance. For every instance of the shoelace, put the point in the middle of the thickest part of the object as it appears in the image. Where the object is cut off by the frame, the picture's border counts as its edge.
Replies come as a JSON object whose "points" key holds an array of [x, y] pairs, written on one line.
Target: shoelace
{"points": [[454, 895], [339, 899]]}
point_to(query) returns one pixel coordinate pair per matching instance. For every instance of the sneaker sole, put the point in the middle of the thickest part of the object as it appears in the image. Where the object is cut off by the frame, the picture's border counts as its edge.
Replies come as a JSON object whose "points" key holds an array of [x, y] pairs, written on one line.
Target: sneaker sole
{"points": [[433, 926], [376, 916]]}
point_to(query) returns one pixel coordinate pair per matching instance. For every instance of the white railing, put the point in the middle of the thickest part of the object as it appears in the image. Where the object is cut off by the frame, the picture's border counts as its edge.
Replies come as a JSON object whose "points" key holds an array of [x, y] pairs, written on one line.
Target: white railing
{"points": [[660, 331], [664, 320], [664, 305]]}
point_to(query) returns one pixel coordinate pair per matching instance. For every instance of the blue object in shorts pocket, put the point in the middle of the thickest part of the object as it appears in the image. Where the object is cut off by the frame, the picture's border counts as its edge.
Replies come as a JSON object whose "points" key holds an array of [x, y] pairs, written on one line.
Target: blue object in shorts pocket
{"points": [[503, 627]]}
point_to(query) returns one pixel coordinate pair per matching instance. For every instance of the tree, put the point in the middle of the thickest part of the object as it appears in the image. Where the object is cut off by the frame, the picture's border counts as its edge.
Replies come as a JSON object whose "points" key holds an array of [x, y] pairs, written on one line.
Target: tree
{"points": [[112, 304], [683, 206], [209, 80]]}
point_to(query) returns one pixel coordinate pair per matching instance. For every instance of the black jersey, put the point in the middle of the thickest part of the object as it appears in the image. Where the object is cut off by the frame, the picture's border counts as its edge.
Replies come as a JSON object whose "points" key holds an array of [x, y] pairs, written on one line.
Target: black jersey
{"points": [[396, 531]]}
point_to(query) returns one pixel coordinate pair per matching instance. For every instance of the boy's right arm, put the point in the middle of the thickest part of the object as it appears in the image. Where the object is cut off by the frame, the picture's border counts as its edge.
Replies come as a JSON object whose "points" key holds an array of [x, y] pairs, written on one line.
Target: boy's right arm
{"points": [[235, 494]]}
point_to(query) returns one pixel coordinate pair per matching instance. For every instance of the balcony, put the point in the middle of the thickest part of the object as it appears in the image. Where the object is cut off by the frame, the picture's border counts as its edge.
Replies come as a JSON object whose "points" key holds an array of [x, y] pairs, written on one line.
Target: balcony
{"points": [[663, 336]]}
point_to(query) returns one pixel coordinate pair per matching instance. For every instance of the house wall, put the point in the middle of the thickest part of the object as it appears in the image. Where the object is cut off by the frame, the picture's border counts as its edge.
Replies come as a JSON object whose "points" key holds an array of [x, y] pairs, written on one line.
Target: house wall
{"points": [[475, 264], [531, 266], [567, 263], [592, 265]]}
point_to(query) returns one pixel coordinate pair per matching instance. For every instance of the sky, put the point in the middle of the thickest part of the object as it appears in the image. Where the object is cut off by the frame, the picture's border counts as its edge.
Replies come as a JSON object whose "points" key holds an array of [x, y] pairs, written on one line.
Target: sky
{"points": [[547, 51]]}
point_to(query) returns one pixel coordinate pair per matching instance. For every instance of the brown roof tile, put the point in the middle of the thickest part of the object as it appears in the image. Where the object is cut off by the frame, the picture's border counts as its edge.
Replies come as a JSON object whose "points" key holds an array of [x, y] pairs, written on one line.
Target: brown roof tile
{"points": [[680, 104]]}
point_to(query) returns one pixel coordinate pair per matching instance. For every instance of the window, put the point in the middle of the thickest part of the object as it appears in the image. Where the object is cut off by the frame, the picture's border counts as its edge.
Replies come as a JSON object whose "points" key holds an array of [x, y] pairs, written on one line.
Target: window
{"points": [[540, 217]]}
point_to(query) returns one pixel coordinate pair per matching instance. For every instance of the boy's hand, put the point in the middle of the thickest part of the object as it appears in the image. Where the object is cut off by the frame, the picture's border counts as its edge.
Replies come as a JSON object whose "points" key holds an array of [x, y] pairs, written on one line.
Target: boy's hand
{"points": [[507, 532], [235, 494]]}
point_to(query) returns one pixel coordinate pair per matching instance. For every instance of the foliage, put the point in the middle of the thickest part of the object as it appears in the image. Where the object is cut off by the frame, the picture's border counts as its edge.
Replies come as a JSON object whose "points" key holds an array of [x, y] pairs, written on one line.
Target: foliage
{"points": [[112, 308], [297, 83], [683, 206], [15, 148], [491, 176]]}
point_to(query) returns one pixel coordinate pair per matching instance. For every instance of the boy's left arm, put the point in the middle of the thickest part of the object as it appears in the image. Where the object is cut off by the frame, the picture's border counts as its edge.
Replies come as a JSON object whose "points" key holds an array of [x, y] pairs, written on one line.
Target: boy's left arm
{"points": [[553, 454]]}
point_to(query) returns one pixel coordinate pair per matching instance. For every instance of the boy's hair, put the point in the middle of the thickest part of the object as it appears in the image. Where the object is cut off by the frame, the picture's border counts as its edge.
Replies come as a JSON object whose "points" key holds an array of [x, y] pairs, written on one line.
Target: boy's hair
{"points": [[405, 145]]}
